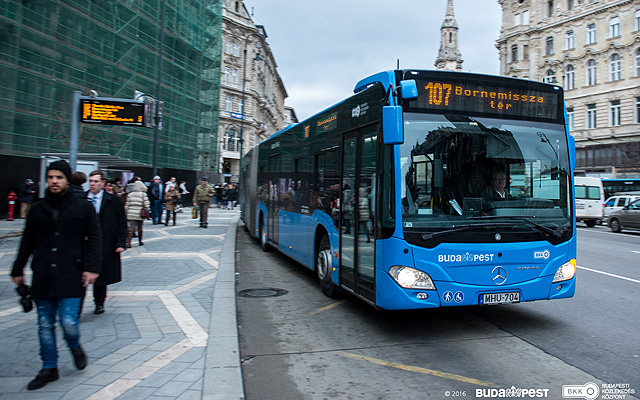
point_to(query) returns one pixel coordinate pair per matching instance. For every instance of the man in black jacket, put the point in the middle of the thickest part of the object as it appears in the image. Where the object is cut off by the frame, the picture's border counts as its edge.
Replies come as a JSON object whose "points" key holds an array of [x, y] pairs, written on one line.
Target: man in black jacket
{"points": [[113, 224], [63, 264]]}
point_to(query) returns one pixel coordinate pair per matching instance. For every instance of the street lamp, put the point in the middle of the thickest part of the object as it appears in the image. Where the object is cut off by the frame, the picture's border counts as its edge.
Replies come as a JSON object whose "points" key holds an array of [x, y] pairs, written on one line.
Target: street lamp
{"points": [[244, 81]]}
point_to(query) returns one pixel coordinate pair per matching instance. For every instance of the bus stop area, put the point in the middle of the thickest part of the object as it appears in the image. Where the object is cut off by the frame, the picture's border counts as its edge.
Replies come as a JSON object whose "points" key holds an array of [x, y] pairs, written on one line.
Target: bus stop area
{"points": [[169, 331]]}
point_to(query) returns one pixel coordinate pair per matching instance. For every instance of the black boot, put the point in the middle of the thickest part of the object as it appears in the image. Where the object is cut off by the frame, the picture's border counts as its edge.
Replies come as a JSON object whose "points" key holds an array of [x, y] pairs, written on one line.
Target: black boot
{"points": [[45, 376], [79, 357]]}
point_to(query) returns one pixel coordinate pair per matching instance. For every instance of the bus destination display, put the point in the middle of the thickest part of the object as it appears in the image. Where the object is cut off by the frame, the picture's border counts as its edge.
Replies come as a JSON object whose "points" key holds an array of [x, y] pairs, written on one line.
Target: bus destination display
{"points": [[112, 112], [519, 101]]}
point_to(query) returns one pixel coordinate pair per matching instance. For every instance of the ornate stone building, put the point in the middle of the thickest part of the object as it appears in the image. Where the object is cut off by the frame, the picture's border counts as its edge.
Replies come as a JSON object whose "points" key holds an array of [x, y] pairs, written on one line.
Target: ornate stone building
{"points": [[246, 55], [449, 56], [591, 48]]}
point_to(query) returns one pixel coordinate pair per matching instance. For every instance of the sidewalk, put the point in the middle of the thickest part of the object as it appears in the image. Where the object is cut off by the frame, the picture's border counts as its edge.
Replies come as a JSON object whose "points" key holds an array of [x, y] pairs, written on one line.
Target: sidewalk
{"points": [[169, 330]]}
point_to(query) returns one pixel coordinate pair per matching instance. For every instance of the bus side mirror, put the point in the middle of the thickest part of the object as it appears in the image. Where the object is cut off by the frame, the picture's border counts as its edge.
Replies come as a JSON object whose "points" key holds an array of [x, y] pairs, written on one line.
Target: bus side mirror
{"points": [[409, 89], [392, 125], [572, 152]]}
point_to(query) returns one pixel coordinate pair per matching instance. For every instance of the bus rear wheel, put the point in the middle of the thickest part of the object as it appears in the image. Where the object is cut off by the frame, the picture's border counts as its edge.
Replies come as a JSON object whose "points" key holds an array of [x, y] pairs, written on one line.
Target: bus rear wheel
{"points": [[323, 268], [263, 235]]}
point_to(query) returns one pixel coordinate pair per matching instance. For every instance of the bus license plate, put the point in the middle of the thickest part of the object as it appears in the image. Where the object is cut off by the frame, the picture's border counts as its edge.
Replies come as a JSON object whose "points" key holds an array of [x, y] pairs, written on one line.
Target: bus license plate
{"points": [[499, 298]]}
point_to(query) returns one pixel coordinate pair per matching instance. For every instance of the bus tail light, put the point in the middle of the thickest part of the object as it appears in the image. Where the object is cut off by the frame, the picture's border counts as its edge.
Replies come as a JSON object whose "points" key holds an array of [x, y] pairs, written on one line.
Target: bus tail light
{"points": [[411, 278], [565, 272]]}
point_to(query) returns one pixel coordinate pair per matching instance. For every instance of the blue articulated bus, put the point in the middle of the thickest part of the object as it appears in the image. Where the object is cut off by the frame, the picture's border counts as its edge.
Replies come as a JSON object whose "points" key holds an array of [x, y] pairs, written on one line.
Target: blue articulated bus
{"points": [[424, 189]]}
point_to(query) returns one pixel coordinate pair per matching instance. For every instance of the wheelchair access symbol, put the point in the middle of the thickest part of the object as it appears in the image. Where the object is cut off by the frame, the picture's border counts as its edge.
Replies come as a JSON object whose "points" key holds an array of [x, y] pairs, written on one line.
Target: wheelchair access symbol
{"points": [[449, 296]]}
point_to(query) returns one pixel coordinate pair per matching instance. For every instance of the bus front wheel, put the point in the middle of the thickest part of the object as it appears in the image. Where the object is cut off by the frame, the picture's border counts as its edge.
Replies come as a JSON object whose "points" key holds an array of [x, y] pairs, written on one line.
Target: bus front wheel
{"points": [[323, 268]]}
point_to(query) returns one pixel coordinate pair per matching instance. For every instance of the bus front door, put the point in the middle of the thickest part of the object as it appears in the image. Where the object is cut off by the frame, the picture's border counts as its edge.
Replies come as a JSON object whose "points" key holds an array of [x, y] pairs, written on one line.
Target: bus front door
{"points": [[274, 195], [357, 244]]}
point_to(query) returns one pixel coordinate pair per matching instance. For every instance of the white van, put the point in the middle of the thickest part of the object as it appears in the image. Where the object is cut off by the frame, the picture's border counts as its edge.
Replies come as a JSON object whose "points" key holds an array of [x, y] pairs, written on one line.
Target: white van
{"points": [[589, 200]]}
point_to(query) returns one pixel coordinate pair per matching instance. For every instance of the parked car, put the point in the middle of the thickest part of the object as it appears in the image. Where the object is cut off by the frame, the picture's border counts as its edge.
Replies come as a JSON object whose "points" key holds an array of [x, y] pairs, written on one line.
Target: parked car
{"points": [[626, 218], [615, 203]]}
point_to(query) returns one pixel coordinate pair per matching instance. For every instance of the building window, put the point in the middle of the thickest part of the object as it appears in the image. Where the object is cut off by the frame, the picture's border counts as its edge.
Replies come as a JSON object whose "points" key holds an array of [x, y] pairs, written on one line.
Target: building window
{"points": [[549, 46], [227, 74], [638, 62], [615, 67], [241, 106], [550, 8], [591, 116], [614, 107], [228, 104], [569, 77], [568, 40], [637, 110], [231, 140], [591, 33], [637, 24], [614, 27], [514, 53], [236, 50], [525, 17], [525, 53], [517, 19], [592, 73], [234, 76], [571, 118], [550, 77], [227, 48]]}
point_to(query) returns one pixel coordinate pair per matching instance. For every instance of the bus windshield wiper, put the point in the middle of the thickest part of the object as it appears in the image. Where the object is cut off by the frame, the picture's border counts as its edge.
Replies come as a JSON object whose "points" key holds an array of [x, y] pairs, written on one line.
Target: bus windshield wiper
{"points": [[543, 228], [460, 228]]}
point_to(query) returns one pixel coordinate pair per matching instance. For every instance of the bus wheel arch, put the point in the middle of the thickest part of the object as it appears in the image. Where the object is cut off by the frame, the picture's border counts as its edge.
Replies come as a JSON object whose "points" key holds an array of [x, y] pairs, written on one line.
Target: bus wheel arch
{"points": [[323, 264]]}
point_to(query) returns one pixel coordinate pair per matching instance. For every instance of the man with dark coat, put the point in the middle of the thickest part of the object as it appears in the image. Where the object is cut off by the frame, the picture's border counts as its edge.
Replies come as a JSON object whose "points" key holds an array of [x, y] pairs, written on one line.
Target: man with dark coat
{"points": [[63, 264], [25, 197], [113, 224]]}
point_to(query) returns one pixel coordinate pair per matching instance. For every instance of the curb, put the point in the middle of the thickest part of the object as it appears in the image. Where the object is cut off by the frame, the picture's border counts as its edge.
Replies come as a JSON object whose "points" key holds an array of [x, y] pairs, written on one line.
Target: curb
{"points": [[222, 371]]}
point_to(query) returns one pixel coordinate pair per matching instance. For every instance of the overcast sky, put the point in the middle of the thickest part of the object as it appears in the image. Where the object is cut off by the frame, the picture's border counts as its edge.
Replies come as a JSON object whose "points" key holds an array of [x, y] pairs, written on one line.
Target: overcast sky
{"points": [[324, 47]]}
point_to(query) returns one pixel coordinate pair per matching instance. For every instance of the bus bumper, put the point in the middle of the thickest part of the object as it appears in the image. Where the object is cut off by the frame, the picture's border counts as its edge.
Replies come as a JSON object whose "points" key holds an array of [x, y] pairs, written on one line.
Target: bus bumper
{"points": [[390, 296]]}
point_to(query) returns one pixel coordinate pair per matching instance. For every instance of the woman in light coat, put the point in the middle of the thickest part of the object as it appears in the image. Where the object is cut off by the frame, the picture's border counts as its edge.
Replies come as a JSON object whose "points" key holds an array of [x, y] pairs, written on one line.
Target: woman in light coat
{"points": [[136, 200]]}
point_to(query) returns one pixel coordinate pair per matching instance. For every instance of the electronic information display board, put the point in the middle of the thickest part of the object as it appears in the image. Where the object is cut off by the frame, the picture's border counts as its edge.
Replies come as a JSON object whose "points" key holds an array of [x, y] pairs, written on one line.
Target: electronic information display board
{"points": [[112, 112]]}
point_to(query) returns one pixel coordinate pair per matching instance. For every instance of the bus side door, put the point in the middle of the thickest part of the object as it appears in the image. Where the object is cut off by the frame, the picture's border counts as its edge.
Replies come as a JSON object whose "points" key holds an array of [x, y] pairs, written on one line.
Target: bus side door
{"points": [[357, 241]]}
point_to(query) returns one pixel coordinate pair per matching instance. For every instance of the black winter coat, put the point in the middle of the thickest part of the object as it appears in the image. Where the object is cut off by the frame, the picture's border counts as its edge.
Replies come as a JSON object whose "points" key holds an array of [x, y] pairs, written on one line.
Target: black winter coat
{"points": [[60, 252], [113, 225]]}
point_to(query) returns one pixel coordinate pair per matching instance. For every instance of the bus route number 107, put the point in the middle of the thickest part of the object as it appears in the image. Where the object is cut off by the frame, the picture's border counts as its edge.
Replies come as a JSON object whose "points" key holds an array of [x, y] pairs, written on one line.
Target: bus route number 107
{"points": [[438, 92]]}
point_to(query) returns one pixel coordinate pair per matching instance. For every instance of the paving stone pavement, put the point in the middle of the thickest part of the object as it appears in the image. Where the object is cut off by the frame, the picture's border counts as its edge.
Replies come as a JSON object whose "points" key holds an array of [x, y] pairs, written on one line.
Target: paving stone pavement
{"points": [[169, 331]]}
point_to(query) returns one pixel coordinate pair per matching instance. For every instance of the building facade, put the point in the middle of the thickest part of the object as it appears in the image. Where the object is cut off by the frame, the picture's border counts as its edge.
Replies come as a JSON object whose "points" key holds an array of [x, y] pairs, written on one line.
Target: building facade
{"points": [[49, 48], [253, 111], [592, 49]]}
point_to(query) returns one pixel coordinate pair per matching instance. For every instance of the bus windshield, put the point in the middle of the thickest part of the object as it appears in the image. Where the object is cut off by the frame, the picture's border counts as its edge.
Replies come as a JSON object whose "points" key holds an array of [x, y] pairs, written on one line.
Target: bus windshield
{"points": [[482, 180]]}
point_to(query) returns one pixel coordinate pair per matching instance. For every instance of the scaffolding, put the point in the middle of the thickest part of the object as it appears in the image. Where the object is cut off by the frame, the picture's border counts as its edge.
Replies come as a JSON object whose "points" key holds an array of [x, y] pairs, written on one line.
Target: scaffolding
{"points": [[49, 48]]}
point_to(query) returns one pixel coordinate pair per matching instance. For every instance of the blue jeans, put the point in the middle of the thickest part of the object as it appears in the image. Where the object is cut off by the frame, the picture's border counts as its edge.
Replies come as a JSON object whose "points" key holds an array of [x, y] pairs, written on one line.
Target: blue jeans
{"points": [[156, 211], [67, 309]]}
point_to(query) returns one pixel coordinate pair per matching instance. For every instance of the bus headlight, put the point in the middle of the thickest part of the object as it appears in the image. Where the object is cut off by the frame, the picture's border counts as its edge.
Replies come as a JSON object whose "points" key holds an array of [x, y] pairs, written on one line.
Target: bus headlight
{"points": [[565, 272], [411, 278]]}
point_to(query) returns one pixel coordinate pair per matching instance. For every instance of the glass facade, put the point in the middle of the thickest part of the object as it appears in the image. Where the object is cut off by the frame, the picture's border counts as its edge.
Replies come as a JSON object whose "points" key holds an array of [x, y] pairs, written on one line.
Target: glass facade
{"points": [[49, 48]]}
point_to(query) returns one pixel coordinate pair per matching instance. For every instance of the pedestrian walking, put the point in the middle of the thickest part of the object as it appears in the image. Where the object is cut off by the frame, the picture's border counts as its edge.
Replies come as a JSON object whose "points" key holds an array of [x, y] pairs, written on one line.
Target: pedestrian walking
{"points": [[113, 225], [171, 200], [202, 195], [170, 182], [156, 195], [25, 197], [231, 197], [78, 179], [183, 194], [136, 200], [63, 264]]}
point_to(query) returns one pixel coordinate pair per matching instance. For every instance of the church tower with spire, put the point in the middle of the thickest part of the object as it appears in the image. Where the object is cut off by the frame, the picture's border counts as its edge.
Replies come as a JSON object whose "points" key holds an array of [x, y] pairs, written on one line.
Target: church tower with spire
{"points": [[449, 57]]}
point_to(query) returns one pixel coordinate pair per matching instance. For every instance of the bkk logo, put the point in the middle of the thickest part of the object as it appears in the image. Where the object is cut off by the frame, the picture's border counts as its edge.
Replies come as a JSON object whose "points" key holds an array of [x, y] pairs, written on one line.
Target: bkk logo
{"points": [[542, 254], [465, 258]]}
